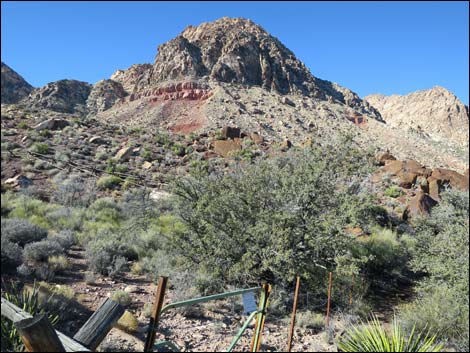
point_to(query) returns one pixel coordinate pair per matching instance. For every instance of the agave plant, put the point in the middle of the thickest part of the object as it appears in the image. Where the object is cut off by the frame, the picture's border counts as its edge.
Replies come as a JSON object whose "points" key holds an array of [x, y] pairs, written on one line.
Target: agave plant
{"points": [[27, 301], [371, 337]]}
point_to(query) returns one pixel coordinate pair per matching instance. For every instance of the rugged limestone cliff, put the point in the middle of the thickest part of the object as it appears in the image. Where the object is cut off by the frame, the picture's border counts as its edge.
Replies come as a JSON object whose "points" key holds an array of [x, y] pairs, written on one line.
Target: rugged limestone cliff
{"points": [[14, 87], [436, 113]]}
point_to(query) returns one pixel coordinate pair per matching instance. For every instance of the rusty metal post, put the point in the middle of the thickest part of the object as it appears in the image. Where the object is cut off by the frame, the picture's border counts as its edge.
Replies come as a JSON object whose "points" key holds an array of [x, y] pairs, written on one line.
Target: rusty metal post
{"points": [[294, 311], [263, 304], [327, 322], [155, 316]]}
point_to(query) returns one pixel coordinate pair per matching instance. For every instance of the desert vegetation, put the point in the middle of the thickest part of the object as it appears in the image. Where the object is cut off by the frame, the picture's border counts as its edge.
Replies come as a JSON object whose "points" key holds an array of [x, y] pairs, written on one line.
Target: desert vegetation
{"points": [[266, 220]]}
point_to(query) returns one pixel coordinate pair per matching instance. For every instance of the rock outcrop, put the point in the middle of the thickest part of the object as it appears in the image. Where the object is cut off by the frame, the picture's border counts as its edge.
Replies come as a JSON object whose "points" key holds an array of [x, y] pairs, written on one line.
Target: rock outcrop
{"points": [[14, 87], [103, 95], [436, 113], [64, 96], [128, 78]]}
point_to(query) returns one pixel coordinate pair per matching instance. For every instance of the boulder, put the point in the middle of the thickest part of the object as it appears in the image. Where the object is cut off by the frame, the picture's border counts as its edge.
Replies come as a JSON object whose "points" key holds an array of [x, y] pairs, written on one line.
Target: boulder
{"points": [[230, 132], [435, 188], [123, 154], [147, 165], [97, 140], [285, 145], [420, 204], [384, 156], [52, 124], [451, 177], [20, 181], [223, 148], [285, 100], [406, 180], [257, 138]]}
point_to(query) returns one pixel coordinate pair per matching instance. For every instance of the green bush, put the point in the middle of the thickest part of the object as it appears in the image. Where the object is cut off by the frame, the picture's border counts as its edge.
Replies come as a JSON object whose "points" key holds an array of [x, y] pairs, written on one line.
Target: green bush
{"points": [[275, 219], [393, 191], [442, 254], [387, 253], [108, 182], [122, 297], [21, 232], [40, 147], [40, 251]]}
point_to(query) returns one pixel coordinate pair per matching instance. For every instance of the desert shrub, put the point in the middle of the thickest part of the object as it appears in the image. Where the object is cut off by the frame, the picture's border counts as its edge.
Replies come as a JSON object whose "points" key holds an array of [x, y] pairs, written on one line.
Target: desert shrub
{"points": [[73, 191], [393, 191], [108, 182], [11, 254], [22, 125], [58, 263], [387, 253], [310, 319], [107, 254], [40, 251], [40, 147], [147, 155], [65, 238], [275, 219], [21, 232], [371, 337], [443, 311], [128, 322], [122, 297], [441, 254]]}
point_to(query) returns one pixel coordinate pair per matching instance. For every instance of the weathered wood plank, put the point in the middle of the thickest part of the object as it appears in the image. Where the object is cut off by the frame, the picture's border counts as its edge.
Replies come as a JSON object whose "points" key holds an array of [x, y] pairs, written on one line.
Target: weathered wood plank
{"points": [[12, 312], [38, 335], [99, 324]]}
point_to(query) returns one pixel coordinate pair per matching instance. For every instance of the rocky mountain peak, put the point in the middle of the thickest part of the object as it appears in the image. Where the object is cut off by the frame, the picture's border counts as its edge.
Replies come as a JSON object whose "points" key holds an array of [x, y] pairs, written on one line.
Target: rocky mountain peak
{"points": [[14, 87], [238, 51]]}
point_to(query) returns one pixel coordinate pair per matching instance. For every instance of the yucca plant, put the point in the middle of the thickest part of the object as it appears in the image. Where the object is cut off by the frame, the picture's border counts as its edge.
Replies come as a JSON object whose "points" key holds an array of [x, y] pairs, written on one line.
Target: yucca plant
{"points": [[27, 301], [371, 337]]}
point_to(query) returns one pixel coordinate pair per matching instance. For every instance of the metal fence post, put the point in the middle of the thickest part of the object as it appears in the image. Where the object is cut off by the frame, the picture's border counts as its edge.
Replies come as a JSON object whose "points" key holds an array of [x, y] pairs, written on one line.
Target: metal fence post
{"points": [[156, 311], [263, 304]]}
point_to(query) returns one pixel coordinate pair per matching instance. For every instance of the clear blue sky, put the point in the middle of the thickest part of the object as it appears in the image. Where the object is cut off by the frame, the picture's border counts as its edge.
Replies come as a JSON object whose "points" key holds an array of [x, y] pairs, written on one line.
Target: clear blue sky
{"points": [[369, 47]]}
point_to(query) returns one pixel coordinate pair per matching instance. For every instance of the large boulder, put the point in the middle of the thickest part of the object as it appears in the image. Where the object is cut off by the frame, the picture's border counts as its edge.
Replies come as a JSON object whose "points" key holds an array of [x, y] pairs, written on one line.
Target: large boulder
{"points": [[230, 132], [52, 124], [421, 204], [383, 157], [451, 177], [225, 147], [123, 154]]}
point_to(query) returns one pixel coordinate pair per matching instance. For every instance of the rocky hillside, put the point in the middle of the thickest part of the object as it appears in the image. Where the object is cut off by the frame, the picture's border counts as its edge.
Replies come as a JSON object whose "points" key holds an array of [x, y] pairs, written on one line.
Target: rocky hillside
{"points": [[231, 72], [14, 87], [65, 96], [435, 113]]}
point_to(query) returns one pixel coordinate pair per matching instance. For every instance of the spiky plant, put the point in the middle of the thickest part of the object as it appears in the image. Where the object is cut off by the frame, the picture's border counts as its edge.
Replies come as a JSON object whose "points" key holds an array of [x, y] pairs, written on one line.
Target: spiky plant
{"points": [[371, 337], [27, 301]]}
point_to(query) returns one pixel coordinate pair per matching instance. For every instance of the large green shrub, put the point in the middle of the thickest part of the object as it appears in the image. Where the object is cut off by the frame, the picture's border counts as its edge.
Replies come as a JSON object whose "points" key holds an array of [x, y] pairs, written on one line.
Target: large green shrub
{"points": [[442, 255], [275, 219]]}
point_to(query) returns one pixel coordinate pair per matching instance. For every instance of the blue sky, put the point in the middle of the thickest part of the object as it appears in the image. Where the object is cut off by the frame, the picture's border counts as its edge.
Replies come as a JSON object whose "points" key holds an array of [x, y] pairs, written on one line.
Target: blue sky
{"points": [[369, 47]]}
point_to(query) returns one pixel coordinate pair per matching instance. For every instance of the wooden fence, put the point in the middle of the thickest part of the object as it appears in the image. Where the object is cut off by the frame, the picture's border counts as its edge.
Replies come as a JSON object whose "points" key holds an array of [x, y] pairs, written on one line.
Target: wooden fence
{"points": [[38, 335]]}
